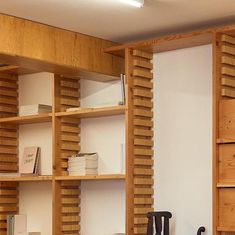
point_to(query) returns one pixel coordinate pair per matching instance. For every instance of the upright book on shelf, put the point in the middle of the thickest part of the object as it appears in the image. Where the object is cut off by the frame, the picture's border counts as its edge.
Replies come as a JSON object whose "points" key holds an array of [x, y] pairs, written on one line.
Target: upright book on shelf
{"points": [[30, 161]]}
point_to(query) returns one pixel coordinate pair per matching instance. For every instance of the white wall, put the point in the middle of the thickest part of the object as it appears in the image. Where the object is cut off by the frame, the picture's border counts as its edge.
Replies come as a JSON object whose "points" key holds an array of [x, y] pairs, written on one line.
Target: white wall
{"points": [[183, 137]]}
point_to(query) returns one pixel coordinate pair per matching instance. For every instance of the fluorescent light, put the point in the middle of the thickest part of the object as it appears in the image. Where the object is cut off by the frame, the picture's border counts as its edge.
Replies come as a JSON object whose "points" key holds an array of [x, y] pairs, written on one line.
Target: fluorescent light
{"points": [[135, 3]]}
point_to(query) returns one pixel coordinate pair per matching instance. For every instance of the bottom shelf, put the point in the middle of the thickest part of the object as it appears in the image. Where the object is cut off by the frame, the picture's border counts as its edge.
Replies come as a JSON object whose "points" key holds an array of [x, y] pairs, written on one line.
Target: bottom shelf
{"points": [[93, 177]]}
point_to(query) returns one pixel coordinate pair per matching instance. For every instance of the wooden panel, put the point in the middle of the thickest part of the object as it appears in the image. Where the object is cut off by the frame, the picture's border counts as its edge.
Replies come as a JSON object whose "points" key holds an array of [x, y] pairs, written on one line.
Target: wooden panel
{"points": [[140, 162], [143, 54], [227, 92], [143, 122], [227, 119], [143, 103], [142, 73], [143, 63], [143, 113], [70, 207], [54, 50], [228, 71], [228, 82], [228, 39], [228, 49], [142, 83], [227, 162], [226, 207], [143, 93], [228, 60]]}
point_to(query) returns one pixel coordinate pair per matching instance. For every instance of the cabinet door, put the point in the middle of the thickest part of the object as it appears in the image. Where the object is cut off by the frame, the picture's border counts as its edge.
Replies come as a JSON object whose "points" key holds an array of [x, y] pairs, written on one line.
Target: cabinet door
{"points": [[227, 163]]}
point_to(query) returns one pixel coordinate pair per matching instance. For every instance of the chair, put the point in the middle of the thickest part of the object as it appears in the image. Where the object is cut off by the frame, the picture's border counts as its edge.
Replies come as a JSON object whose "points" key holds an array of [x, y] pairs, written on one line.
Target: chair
{"points": [[161, 221], [156, 218]]}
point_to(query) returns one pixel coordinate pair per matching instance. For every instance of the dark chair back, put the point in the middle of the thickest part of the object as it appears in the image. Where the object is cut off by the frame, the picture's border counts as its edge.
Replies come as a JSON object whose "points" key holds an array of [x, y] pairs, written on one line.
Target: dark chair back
{"points": [[159, 221]]}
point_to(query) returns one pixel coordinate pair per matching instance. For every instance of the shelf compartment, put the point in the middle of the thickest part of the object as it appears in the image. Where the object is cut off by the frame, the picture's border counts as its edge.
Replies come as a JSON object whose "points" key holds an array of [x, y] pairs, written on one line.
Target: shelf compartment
{"points": [[92, 177], [94, 112], [31, 119], [26, 178]]}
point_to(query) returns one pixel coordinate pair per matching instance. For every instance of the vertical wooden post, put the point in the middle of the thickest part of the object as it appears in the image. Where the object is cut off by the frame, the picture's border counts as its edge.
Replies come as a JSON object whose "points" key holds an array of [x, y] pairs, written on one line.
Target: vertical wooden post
{"points": [[139, 143], [8, 147], [223, 134], [66, 141]]}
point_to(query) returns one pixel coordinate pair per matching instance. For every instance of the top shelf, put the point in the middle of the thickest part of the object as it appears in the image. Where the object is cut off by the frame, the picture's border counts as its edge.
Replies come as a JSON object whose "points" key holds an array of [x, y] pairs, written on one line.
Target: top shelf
{"points": [[94, 112]]}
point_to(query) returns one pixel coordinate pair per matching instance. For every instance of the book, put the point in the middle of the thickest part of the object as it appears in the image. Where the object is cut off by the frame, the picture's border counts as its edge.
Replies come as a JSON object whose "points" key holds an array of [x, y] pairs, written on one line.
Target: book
{"points": [[30, 161], [10, 174], [123, 92], [20, 225], [83, 164], [10, 219], [34, 109], [104, 105]]}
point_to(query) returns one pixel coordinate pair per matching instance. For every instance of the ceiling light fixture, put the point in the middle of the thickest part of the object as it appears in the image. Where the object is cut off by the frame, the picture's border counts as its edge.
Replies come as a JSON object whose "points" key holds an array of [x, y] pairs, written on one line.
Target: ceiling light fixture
{"points": [[135, 3]]}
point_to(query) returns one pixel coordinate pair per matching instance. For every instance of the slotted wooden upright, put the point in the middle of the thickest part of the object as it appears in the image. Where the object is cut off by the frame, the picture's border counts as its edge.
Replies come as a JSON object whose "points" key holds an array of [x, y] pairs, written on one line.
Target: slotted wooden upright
{"points": [[8, 147], [139, 143], [67, 143], [224, 134]]}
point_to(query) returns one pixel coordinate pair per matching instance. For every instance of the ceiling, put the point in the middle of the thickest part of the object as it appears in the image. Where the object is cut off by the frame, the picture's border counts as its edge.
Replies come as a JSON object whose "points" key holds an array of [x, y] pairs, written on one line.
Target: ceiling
{"points": [[116, 21]]}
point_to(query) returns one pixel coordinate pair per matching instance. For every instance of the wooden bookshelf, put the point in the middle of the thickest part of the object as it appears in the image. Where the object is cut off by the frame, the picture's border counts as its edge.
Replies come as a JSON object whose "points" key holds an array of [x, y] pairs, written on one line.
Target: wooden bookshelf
{"points": [[93, 177], [25, 178], [31, 119], [94, 112]]}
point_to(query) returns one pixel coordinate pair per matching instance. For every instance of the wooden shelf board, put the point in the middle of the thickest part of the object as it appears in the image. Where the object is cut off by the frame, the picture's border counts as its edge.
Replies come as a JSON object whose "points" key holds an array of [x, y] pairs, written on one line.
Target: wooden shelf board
{"points": [[27, 178], [226, 185], [92, 177], [118, 50], [166, 43], [226, 228], [94, 112], [225, 141], [28, 119]]}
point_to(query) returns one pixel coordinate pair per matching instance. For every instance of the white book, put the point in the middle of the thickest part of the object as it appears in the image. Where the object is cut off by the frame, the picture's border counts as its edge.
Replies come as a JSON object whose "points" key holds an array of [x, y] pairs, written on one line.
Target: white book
{"points": [[20, 225], [83, 172], [14, 174], [34, 109], [72, 168], [87, 164]]}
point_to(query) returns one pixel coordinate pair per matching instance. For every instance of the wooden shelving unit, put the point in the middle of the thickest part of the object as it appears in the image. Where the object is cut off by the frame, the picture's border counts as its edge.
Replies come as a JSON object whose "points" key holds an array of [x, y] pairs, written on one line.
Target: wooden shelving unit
{"points": [[66, 139], [66, 190]]}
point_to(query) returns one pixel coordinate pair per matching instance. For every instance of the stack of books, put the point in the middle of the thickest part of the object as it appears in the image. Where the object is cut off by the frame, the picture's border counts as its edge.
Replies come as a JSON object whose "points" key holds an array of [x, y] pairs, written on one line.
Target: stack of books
{"points": [[83, 164], [34, 109]]}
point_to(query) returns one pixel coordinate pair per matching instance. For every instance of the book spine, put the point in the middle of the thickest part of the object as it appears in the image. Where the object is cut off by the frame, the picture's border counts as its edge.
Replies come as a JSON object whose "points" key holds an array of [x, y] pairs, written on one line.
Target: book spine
{"points": [[122, 76]]}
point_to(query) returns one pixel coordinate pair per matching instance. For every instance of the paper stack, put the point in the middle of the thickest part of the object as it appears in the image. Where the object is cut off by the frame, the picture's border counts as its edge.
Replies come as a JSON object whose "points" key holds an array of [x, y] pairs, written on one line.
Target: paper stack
{"points": [[83, 164], [34, 109]]}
